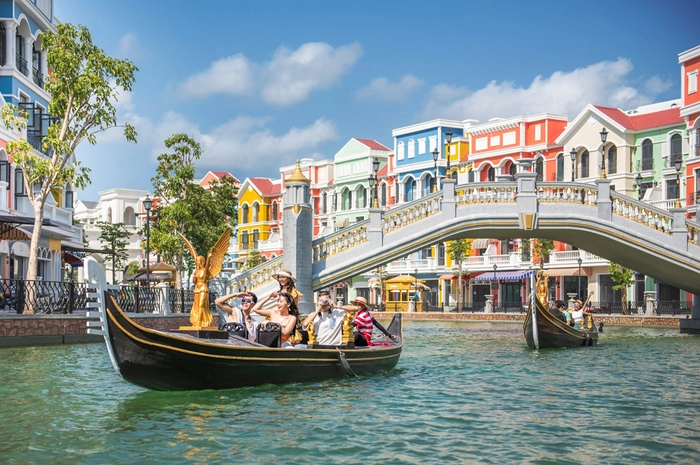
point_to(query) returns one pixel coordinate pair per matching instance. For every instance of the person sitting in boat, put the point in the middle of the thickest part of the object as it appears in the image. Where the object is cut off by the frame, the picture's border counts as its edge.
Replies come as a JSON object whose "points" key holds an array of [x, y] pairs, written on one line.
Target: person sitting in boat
{"points": [[364, 322], [286, 281], [557, 308], [285, 313], [577, 314], [240, 315], [327, 321]]}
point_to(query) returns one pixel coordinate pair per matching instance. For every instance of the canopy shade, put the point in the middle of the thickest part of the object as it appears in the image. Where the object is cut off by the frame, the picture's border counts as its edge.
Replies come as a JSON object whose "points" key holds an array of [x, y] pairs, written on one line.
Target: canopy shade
{"points": [[513, 275], [565, 272], [480, 243]]}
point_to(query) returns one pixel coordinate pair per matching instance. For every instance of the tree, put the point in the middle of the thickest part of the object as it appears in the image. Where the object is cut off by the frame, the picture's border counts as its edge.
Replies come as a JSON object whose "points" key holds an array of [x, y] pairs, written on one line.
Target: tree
{"points": [[541, 248], [255, 258], [83, 84], [131, 268], [459, 250], [113, 237], [622, 277], [183, 206]]}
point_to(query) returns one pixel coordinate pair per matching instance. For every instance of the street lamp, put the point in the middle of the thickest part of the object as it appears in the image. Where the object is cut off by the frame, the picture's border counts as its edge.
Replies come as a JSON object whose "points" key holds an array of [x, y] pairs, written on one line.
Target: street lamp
{"points": [[495, 286], [677, 165], [603, 138], [436, 154], [572, 154], [147, 205], [375, 168], [448, 139], [372, 181], [579, 276], [415, 285], [638, 182]]}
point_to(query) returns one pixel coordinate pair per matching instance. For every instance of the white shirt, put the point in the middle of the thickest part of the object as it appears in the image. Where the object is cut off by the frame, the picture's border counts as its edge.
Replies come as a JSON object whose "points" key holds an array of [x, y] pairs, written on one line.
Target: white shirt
{"points": [[329, 327], [577, 315], [251, 327]]}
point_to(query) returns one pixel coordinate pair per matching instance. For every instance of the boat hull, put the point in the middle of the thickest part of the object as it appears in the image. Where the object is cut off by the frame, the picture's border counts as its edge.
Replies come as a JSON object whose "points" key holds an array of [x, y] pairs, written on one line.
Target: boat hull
{"points": [[167, 361], [553, 333]]}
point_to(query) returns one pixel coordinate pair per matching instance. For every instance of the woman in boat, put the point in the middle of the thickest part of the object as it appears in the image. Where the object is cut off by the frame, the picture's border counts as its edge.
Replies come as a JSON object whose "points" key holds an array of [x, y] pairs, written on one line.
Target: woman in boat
{"points": [[364, 322], [577, 314], [285, 313], [286, 281]]}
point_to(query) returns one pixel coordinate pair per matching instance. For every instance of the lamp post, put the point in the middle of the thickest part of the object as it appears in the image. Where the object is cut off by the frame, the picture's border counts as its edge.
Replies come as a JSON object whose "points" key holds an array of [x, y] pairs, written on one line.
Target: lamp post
{"points": [[147, 205], [372, 181], [436, 154], [448, 139], [375, 168], [12, 264], [415, 285], [495, 287], [638, 183], [572, 154], [677, 164], [579, 276], [603, 138]]}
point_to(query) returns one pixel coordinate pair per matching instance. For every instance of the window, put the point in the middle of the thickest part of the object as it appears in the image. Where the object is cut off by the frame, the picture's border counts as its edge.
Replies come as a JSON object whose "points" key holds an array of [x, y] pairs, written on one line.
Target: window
{"points": [[411, 148], [324, 203], [274, 211], [410, 190], [421, 146], [612, 160], [692, 82], [676, 148], [20, 188], [560, 167], [5, 172], [255, 212], [256, 237], [491, 174], [671, 189], [441, 254], [647, 155], [382, 195], [3, 45], [583, 166], [129, 216], [539, 169], [244, 240], [400, 149], [244, 214]]}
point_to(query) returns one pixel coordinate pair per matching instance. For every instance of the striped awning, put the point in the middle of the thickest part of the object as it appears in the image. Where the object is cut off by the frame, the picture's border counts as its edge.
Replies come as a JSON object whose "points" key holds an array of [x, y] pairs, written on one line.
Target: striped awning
{"points": [[480, 243], [513, 275], [565, 272]]}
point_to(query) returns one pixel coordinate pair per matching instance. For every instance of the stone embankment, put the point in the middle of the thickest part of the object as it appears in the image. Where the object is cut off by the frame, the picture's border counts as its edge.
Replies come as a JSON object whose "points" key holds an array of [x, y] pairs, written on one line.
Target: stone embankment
{"points": [[31, 330]]}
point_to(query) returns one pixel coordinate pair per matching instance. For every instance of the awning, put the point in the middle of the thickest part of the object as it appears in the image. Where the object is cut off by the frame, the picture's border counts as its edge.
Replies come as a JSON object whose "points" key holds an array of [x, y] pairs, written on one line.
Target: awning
{"points": [[565, 272], [480, 243], [513, 275], [447, 277], [73, 260]]}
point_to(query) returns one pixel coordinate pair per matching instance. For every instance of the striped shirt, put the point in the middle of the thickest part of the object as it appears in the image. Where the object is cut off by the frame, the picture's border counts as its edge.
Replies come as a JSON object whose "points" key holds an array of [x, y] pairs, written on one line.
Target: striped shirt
{"points": [[364, 323]]}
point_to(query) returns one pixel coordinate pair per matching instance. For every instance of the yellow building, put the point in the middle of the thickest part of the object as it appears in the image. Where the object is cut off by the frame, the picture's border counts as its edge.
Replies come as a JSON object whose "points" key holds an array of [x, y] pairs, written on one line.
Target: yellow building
{"points": [[404, 294], [259, 217]]}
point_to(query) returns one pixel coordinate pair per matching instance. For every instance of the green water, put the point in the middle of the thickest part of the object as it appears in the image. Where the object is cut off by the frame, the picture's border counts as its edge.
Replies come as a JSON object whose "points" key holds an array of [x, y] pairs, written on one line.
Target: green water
{"points": [[462, 393]]}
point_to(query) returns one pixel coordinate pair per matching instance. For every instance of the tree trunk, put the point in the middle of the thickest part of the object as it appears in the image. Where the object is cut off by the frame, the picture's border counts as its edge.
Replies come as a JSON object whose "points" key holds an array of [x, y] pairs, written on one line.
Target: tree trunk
{"points": [[459, 289], [30, 295], [625, 310]]}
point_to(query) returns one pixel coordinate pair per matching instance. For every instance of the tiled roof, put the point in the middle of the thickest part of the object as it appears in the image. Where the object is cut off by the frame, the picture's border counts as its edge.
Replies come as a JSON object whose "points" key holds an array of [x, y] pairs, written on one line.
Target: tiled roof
{"points": [[373, 144], [266, 186], [644, 121]]}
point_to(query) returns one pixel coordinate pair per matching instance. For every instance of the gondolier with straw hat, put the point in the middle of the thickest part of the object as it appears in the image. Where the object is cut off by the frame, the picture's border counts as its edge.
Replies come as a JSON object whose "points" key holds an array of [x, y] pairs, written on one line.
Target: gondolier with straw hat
{"points": [[286, 281], [364, 322]]}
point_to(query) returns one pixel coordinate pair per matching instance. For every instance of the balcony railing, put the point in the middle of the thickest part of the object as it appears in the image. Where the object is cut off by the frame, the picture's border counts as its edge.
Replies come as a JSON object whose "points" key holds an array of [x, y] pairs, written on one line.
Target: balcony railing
{"points": [[38, 77], [22, 64]]}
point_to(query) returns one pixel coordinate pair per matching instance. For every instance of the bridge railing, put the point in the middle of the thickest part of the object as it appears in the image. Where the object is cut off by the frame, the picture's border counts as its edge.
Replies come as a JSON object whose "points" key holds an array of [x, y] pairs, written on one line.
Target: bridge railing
{"points": [[640, 212], [258, 276]]}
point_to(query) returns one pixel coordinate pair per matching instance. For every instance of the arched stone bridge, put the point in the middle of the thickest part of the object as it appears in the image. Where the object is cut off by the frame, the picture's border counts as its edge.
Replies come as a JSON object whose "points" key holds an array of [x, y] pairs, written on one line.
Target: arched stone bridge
{"points": [[659, 243]]}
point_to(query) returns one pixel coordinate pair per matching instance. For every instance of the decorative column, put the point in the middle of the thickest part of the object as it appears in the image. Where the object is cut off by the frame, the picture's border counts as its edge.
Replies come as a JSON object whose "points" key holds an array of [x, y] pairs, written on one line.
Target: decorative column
{"points": [[28, 48], [297, 235], [10, 28]]}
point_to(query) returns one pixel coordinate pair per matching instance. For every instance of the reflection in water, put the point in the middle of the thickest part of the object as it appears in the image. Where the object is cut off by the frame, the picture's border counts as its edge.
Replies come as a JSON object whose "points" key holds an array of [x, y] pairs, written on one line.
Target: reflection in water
{"points": [[462, 392]]}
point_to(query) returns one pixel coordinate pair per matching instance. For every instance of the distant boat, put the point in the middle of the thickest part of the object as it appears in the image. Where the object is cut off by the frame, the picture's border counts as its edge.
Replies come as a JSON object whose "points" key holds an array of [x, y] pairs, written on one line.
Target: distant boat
{"points": [[169, 361], [548, 331]]}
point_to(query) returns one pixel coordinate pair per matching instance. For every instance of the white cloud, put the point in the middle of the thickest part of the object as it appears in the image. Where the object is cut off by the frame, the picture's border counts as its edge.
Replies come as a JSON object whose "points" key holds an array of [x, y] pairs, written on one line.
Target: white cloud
{"points": [[128, 47], [603, 83], [383, 89], [291, 76], [288, 78], [231, 75]]}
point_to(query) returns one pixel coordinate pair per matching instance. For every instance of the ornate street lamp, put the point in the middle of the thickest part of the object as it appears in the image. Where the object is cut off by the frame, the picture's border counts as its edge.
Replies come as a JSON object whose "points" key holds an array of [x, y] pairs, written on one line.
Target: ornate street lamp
{"points": [[147, 205], [495, 286], [372, 181], [436, 154], [579, 276], [375, 168], [677, 164], [448, 139], [572, 154], [638, 182], [603, 138]]}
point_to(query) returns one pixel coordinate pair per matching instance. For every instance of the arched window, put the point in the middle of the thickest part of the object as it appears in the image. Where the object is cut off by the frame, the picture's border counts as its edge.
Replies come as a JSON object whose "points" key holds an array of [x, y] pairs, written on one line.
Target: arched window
{"points": [[612, 160], [244, 214], [512, 169], [647, 155], [539, 169], [410, 190], [256, 209], [560, 167], [676, 148], [401, 150], [491, 174], [347, 200], [129, 217], [583, 165], [109, 216], [411, 148], [382, 195], [324, 203], [274, 211], [361, 197]]}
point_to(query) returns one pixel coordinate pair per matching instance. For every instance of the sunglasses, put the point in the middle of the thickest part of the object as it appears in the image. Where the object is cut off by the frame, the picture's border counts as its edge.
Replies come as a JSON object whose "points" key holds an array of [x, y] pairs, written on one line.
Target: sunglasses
{"points": [[246, 301]]}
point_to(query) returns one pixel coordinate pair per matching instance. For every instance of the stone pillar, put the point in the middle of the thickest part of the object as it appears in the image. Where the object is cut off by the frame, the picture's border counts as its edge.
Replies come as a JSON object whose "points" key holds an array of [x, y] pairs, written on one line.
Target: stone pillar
{"points": [[10, 28], [449, 203], [488, 306], [374, 231], [297, 235], [679, 231], [604, 202], [28, 48]]}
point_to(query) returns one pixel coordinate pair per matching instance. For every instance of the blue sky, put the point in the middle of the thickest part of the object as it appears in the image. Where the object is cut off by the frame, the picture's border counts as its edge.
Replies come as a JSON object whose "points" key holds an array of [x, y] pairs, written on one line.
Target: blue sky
{"points": [[262, 84]]}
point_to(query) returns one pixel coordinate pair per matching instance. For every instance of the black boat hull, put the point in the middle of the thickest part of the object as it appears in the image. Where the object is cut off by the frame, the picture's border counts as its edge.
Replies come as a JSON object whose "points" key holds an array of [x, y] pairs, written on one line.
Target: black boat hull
{"points": [[167, 361], [553, 333]]}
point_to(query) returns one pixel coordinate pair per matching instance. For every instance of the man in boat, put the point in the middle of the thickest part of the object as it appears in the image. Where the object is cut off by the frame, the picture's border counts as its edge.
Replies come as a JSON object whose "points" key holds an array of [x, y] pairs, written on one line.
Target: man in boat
{"points": [[240, 315], [327, 321], [556, 310], [364, 322]]}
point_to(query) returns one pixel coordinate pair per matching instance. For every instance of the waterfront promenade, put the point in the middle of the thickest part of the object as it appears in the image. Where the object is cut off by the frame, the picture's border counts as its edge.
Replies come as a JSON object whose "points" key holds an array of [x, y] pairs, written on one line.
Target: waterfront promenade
{"points": [[30, 330]]}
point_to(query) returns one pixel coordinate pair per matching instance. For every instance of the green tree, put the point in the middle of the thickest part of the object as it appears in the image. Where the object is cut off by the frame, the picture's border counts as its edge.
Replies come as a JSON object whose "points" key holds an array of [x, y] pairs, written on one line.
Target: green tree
{"points": [[541, 248], [114, 237], [255, 258], [131, 268], [84, 83], [183, 206], [622, 277], [459, 250]]}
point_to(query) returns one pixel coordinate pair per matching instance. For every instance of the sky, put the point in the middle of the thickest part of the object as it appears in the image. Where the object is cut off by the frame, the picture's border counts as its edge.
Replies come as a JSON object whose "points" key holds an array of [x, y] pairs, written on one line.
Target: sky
{"points": [[262, 84]]}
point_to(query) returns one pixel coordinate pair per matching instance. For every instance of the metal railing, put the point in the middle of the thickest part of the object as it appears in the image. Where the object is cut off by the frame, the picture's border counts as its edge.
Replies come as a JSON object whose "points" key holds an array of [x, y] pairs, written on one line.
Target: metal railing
{"points": [[42, 296], [669, 307]]}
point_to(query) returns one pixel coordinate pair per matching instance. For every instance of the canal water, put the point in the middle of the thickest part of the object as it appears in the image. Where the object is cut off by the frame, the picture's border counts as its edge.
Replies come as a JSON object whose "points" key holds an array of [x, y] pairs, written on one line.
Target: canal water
{"points": [[462, 393]]}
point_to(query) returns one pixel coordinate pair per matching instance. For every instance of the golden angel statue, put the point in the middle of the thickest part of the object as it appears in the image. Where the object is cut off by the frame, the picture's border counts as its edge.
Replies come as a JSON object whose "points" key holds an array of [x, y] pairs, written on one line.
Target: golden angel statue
{"points": [[206, 269]]}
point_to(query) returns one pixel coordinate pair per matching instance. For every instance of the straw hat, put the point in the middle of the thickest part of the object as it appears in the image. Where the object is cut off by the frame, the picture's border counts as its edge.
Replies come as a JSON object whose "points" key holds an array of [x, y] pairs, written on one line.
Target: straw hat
{"points": [[360, 301], [285, 273], [580, 304]]}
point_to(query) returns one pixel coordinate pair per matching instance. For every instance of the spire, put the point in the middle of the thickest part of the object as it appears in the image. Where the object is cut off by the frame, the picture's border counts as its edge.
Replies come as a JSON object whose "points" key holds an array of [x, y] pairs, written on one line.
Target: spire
{"points": [[298, 176]]}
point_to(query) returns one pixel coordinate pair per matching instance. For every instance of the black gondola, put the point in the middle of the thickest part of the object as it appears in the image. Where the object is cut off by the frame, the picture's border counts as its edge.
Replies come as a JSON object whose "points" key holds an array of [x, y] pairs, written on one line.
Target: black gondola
{"points": [[550, 332], [169, 361]]}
